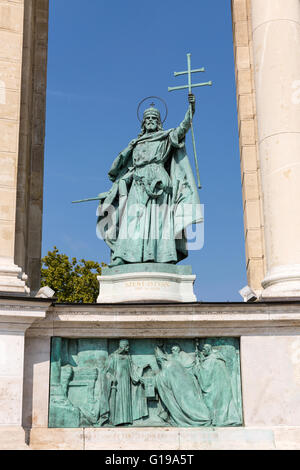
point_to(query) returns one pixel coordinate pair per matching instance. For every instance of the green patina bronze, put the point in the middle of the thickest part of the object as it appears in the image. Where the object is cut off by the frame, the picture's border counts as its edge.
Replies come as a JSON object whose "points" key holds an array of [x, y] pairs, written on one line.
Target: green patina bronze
{"points": [[154, 197], [145, 382]]}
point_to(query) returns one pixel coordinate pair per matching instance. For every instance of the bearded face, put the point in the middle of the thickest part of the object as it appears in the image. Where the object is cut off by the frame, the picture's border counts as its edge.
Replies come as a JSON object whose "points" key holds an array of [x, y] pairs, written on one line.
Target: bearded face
{"points": [[151, 123]]}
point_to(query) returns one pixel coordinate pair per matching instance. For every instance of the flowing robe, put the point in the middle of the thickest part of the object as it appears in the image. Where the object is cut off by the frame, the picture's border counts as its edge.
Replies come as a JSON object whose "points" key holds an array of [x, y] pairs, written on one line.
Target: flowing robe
{"points": [[154, 197], [128, 403], [188, 361], [180, 396], [215, 382]]}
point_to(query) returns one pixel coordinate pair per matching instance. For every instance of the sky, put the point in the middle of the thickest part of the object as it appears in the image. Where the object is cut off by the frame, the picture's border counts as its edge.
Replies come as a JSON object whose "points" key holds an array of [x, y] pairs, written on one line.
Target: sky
{"points": [[103, 59]]}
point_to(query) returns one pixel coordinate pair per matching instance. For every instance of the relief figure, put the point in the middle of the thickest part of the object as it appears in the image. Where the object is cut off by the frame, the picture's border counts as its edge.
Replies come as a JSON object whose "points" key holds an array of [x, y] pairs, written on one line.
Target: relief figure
{"points": [[179, 394], [129, 401], [215, 383]]}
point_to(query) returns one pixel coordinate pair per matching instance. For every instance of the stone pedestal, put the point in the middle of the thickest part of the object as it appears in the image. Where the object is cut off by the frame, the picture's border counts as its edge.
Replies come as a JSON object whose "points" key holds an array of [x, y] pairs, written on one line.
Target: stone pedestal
{"points": [[166, 439], [269, 336], [13, 438], [147, 282]]}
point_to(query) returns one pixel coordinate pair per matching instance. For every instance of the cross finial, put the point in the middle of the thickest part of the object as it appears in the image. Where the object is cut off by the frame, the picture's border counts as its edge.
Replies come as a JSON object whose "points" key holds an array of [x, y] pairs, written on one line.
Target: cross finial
{"points": [[152, 104], [191, 85]]}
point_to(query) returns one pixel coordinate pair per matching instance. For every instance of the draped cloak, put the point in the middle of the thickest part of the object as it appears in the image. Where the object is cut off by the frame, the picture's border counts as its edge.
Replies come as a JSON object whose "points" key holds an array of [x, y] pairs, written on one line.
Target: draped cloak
{"points": [[215, 382], [153, 199], [180, 395]]}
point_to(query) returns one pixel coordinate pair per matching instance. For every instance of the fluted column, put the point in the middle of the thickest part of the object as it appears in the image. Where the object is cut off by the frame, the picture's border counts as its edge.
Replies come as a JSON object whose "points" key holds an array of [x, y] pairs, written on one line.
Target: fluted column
{"points": [[276, 45]]}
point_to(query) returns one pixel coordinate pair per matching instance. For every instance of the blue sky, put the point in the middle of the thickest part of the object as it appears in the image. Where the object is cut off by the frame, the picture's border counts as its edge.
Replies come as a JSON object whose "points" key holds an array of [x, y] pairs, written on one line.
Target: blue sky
{"points": [[104, 57]]}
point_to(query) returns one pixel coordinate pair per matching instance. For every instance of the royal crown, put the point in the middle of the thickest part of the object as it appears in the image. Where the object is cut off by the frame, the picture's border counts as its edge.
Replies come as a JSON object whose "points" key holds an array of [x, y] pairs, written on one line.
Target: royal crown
{"points": [[151, 112]]}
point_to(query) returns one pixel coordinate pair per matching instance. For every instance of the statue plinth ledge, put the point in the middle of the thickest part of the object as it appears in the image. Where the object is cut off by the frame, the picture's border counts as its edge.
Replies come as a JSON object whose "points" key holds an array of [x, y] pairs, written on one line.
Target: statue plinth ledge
{"points": [[146, 282]]}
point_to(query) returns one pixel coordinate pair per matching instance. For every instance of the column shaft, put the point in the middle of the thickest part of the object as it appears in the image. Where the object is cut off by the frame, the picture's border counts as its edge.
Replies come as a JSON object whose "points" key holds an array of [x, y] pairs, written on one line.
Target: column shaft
{"points": [[276, 43], [11, 32]]}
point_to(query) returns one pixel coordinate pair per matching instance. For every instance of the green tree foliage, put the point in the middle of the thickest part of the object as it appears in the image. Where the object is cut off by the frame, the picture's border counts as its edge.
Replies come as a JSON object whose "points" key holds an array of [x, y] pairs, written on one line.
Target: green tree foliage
{"points": [[72, 280]]}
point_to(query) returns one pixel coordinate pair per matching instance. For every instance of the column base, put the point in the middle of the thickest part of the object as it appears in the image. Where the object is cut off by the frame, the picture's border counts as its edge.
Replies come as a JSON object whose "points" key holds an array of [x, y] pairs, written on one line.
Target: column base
{"points": [[146, 282], [282, 282], [12, 279]]}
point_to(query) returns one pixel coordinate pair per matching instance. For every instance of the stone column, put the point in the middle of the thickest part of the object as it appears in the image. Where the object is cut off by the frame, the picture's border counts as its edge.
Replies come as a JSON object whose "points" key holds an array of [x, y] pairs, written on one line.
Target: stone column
{"points": [[16, 315], [11, 29], [23, 67], [276, 44]]}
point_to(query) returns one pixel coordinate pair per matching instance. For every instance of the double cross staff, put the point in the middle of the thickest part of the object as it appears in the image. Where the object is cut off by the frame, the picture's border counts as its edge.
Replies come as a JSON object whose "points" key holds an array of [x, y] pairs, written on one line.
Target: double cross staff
{"points": [[189, 72]]}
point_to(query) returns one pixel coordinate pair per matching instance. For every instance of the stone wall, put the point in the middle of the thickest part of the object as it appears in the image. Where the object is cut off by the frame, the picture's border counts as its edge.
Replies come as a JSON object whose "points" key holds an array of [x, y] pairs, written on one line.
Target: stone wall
{"points": [[247, 122]]}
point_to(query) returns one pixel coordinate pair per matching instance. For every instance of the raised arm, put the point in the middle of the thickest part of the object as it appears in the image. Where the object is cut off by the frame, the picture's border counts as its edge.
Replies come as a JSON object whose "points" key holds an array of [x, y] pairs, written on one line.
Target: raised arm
{"points": [[186, 123]]}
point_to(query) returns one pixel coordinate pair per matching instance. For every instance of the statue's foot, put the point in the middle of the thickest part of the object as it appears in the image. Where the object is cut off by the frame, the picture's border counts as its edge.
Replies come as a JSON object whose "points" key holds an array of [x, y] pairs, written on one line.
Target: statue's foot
{"points": [[116, 262]]}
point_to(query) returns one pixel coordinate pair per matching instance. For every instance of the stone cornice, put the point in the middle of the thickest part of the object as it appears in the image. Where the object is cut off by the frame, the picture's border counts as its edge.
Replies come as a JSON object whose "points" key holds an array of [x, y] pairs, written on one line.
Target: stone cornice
{"points": [[19, 312], [150, 320]]}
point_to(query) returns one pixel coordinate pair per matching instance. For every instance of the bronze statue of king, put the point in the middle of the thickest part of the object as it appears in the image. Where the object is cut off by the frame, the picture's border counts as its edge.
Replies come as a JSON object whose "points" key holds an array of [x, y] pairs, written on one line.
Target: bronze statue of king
{"points": [[154, 197]]}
